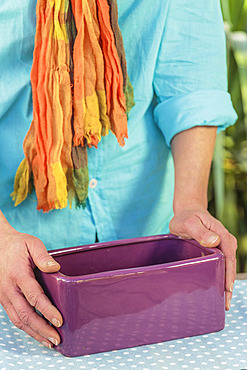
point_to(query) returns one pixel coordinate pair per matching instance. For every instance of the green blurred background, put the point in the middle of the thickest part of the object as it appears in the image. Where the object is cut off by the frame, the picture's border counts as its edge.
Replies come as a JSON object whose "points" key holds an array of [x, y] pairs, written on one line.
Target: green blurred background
{"points": [[228, 180]]}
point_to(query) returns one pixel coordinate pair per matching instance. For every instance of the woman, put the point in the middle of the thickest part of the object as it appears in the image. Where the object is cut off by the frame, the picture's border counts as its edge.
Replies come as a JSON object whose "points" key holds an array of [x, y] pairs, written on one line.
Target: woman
{"points": [[176, 64]]}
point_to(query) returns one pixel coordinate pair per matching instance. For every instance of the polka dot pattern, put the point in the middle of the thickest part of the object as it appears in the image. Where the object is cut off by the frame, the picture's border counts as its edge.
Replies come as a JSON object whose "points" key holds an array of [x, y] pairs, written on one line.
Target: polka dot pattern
{"points": [[226, 349]]}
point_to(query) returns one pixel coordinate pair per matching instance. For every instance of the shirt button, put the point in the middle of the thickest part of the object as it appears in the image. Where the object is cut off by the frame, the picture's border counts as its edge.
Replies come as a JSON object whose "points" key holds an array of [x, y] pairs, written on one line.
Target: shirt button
{"points": [[93, 183]]}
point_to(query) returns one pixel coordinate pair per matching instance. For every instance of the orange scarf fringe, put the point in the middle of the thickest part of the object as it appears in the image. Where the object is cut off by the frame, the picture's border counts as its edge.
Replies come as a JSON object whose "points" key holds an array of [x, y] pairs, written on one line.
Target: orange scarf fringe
{"points": [[79, 94]]}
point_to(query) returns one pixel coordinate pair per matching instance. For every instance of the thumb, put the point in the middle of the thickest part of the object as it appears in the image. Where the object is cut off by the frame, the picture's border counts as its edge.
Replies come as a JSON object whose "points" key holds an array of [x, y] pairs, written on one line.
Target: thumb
{"points": [[40, 256], [209, 239]]}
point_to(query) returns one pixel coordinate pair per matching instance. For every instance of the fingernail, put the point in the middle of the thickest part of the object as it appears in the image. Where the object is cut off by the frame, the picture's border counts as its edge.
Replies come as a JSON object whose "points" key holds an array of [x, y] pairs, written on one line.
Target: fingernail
{"points": [[52, 263], [231, 287], [56, 322], [212, 239], [53, 340], [48, 345], [228, 305]]}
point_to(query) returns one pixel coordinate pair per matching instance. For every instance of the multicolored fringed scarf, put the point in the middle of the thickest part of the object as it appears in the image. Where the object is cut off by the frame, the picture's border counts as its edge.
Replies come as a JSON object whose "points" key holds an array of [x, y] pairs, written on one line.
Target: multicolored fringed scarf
{"points": [[80, 91]]}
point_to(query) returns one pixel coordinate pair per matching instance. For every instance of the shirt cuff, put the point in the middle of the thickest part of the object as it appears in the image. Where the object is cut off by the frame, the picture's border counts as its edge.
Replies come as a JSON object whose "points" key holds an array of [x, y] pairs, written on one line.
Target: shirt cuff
{"points": [[200, 108]]}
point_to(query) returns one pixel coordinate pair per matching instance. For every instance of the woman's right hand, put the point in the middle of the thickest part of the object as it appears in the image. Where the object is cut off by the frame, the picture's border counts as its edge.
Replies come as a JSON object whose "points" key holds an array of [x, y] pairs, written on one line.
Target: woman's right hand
{"points": [[20, 292]]}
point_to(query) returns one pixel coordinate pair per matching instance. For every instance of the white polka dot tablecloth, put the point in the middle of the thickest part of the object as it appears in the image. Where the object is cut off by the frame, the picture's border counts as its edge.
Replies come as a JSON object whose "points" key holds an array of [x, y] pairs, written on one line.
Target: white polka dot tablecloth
{"points": [[226, 349]]}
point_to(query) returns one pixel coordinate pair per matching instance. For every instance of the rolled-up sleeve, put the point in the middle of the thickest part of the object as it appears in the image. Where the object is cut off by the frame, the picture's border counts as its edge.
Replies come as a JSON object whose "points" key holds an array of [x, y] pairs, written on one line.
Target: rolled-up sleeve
{"points": [[190, 78]]}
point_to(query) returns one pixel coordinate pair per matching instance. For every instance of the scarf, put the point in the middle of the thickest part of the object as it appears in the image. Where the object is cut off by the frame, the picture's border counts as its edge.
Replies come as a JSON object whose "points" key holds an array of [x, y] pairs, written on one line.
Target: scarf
{"points": [[80, 90]]}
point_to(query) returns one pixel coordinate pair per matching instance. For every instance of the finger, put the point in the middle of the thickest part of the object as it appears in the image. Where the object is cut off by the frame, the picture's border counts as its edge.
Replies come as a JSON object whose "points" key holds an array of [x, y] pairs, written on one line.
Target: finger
{"points": [[230, 269], [229, 247], [16, 321], [36, 297], [30, 318], [41, 257], [228, 298]]}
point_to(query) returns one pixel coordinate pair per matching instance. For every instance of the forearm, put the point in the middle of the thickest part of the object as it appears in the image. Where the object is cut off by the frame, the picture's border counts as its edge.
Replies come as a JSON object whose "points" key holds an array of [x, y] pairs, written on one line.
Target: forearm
{"points": [[192, 154]]}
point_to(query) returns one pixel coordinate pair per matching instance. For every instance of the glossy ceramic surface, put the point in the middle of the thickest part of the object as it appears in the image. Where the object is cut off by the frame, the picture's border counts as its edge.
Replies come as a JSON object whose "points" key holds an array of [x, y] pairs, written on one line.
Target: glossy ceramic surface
{"points": [[133, 292]]}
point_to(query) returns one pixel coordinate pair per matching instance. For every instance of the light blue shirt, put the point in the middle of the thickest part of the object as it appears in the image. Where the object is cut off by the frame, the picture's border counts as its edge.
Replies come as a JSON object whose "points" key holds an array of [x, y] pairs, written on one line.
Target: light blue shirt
{"points": [[176, 60]]}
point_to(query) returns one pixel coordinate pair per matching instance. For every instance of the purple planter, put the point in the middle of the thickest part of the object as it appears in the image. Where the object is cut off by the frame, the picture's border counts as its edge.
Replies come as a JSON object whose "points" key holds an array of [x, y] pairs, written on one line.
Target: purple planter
{"points": [[133, 292]]}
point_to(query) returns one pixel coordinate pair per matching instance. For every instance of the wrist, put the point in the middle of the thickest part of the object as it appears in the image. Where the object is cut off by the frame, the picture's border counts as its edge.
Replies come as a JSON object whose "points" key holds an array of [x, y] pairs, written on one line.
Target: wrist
{"points": [[181, 204]]}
